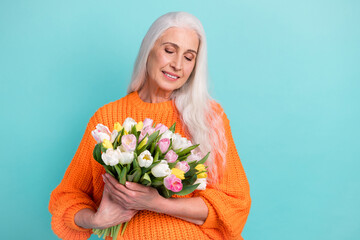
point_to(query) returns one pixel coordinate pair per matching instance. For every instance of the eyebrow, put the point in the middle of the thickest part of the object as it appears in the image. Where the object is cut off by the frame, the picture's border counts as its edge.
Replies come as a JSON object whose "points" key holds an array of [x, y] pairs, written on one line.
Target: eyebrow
{"points": [[176, 46]]}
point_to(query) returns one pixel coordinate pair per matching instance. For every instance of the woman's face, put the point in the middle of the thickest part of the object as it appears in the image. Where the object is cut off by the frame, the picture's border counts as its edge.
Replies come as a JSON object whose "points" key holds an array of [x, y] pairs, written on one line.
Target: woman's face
{"points": [[172, 59]]}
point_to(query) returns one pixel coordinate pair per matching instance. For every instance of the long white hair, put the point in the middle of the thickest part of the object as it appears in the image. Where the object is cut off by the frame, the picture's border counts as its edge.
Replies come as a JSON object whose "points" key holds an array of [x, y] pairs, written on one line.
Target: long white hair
{"points": [[192, 100]]}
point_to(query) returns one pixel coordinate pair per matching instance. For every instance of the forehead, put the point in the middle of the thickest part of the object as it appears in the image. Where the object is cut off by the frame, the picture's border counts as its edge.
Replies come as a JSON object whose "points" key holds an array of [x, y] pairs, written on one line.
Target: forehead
{"points": [[183, 37]]}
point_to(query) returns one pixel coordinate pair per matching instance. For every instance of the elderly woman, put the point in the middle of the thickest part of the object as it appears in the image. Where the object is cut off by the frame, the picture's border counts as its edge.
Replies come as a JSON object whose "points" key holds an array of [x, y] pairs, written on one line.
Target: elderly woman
{"points": [[169, 84]]}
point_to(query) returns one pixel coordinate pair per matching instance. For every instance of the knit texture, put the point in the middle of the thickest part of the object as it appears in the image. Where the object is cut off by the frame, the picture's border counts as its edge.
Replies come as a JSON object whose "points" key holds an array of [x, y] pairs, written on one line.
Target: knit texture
{"points": [[82, 185]]}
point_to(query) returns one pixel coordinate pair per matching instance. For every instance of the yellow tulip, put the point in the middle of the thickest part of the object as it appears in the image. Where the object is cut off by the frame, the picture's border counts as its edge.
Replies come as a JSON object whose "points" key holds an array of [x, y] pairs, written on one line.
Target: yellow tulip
{"points": [[202, 175], [139, 126], [118, 127], [107, 144], [142, 143], [178, 173], [200, 168]]}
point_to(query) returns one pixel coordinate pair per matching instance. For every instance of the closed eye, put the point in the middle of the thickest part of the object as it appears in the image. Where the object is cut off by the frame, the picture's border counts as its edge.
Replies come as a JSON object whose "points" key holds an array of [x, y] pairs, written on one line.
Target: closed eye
{"points": [[188, 59], [168, 51]]}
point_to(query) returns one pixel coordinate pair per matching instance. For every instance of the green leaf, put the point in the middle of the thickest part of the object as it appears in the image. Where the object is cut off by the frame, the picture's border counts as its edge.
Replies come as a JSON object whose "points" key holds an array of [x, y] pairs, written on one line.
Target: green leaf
{"points": [[118, 171], [153, 136], [110, 170], [135, 162], [189, 181], [97, 154], [163, 191], [202, 161], [187, 150], [146, 177], [152, 148], [122, 178], [133, 130], [103, 149], [172, 128], [187, 189], [172, 165], [157, 182], [130, 177], [137, 175], [146, 180], [190, 173], [156, 157], [184, 157]]}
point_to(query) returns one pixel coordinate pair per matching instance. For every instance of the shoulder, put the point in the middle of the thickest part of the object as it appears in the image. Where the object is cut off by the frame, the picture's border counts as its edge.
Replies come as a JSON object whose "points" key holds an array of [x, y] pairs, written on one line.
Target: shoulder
{"points": [[111, 110], [218, 110]]}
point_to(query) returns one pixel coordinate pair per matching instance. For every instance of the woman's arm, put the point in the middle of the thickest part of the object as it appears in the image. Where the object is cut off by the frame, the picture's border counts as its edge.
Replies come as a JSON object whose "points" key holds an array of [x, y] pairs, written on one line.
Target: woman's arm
{"points": [[139, 197]]}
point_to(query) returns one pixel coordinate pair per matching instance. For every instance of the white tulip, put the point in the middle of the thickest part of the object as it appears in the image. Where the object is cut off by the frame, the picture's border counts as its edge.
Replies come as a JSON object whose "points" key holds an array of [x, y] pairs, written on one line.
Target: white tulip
{"points": [[111, 157], [145, 159], [128, 124], [125, 157], [180, 142], [167, 134], [161, 170], [202, 182]]}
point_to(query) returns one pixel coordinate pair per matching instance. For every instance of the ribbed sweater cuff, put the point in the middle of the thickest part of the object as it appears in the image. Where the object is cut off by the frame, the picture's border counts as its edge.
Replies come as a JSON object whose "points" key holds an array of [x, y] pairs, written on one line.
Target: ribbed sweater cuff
{"points": [[69, 216], [211, 220]]}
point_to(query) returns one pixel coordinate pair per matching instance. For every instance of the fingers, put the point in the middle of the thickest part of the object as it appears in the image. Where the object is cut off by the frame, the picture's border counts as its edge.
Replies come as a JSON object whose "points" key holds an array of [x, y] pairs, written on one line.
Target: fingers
{"points": [[136, 187], [115, 184]]}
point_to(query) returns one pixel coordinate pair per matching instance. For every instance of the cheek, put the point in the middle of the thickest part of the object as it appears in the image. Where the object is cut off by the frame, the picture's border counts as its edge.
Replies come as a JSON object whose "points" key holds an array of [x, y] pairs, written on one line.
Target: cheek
{"points": [[188, 69]]}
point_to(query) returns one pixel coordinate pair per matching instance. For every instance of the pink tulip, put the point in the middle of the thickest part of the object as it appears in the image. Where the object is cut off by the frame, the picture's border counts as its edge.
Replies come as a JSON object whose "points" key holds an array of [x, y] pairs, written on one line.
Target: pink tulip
{"points": [[164, 144], [147, 122], [183, 165], [146, 130], [171, 156], [161, 127], [100, 133], [173, 183], [128, 143]]}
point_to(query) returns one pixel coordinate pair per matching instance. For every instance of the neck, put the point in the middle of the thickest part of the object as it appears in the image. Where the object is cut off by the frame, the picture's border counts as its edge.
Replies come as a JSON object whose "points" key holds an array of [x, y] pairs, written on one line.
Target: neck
{"points": [[153, 94]]}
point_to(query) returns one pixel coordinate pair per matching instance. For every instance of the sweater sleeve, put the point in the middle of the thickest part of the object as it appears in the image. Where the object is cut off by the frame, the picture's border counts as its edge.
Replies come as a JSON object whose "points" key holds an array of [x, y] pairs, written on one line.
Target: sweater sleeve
{"points": [[229, 203], [74, 192]]}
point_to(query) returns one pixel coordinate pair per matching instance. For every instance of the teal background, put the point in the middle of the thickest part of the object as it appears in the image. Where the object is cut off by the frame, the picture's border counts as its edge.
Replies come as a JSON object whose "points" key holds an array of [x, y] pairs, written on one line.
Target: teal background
{"points": [[286, 72]]}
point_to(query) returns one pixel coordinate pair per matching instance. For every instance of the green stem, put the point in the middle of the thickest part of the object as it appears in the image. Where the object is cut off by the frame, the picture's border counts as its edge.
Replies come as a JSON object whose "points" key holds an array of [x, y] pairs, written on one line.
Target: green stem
{"points": [[117, 231], [123, 230]]}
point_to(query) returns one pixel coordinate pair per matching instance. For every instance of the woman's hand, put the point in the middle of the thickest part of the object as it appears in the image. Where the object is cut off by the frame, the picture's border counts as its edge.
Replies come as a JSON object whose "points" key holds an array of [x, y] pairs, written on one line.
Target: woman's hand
{"points": [[110, 213], [133, 196]]}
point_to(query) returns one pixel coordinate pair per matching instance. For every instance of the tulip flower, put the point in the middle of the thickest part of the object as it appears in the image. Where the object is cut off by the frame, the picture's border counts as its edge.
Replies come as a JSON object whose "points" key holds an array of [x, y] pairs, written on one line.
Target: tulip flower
{"points": [[125, 157], [180, 142], [100, 133], [161, 170], [107, 144], [148, 122], [118, 127], [161, 127], [202, 182], [183, 165], [171, 156], [173, 183], [111, 157], [145, 159], [128, 143], [128, 124], [164, 144], [178, 173]]}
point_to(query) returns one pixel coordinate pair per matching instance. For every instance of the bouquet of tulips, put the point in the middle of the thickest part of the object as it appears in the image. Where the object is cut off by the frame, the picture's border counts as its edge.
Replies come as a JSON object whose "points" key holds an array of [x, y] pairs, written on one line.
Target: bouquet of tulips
{"points": [[151, 155]]}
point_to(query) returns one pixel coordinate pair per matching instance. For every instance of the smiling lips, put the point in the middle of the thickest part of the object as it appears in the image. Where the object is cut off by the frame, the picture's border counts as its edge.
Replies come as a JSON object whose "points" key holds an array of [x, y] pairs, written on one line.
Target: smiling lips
{"points": [[170, 76]]}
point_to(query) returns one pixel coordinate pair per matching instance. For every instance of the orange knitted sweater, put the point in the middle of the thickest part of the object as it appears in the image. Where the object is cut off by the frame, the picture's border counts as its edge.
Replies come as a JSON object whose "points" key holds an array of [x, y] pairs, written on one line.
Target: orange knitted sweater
{"points": [[82, 185]]}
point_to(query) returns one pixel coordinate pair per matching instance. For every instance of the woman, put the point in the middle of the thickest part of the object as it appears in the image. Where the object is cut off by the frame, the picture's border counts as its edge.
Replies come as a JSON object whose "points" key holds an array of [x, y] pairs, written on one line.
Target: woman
{"points": [[169, 84]]}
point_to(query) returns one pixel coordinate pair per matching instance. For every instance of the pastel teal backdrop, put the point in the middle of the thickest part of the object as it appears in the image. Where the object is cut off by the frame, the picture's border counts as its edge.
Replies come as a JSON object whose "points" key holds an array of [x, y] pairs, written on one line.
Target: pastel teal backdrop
{"points": [[286, 72]]}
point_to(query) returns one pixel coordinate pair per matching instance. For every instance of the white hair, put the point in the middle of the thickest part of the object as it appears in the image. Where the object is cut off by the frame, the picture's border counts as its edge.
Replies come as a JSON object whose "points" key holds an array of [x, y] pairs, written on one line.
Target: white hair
{"points": [[192, 100]]}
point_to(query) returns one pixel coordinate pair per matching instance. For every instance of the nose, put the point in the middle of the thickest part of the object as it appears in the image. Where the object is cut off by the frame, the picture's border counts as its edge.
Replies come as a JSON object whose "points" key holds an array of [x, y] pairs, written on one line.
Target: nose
{"points": [[176, 63]]}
